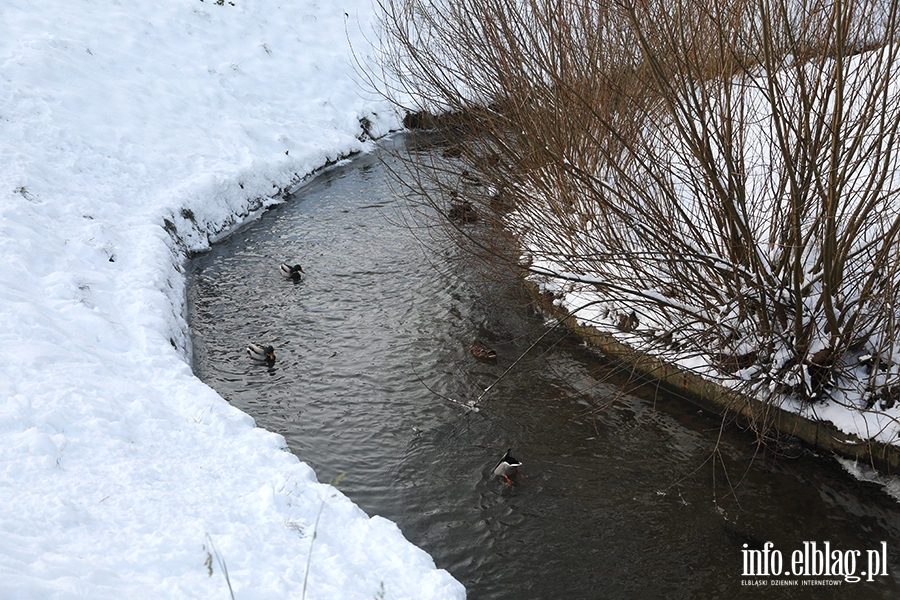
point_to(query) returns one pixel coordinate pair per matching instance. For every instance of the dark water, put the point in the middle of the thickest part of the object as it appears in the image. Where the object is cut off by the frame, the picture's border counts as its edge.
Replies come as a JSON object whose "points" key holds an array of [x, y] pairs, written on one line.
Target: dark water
{"points": [[648, 498]]}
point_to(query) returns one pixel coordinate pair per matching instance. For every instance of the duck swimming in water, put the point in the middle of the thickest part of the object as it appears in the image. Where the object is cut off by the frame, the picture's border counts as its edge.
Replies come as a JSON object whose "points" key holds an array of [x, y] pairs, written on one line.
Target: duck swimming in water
{"points": [[482, 351], [461, 209], [294, 272], [507, 468], [261, 353]]}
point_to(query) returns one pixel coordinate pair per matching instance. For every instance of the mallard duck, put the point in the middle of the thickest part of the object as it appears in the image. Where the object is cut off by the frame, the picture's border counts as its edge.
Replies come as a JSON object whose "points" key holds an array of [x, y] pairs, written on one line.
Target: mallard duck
{"points": [[454, 151], [261, 353], [507, 468], [470, 179], [461, 209], [482, 351], [294, 272]]}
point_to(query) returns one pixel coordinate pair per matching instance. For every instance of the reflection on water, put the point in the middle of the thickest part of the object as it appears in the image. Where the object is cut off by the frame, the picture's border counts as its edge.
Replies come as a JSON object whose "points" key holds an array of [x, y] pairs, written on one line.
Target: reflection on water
{"points": [[633, 501]]}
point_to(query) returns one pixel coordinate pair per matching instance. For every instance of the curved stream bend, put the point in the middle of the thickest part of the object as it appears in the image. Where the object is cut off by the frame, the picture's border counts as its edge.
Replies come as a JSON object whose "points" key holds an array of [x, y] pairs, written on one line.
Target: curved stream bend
{"points": [[630, 502]]}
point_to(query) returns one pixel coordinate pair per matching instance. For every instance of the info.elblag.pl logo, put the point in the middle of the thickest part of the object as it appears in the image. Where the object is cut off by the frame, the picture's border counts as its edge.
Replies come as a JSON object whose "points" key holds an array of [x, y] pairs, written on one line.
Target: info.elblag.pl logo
{"points": [[814, 560]]}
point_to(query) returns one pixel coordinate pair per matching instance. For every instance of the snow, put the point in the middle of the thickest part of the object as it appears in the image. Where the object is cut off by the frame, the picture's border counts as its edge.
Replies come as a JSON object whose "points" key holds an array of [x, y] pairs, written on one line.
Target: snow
{"points": [[591, 309], [130, 134]]}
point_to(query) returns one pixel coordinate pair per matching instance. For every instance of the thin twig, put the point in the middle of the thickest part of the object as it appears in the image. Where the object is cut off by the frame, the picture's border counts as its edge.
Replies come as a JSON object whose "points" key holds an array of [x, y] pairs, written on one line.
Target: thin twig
{"points": [[222, 564]]}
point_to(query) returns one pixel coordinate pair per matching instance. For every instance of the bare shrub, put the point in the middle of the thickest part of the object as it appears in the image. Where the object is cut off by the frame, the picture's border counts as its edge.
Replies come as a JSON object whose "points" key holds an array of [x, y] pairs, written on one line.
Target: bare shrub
{"points": [[722, 174]]}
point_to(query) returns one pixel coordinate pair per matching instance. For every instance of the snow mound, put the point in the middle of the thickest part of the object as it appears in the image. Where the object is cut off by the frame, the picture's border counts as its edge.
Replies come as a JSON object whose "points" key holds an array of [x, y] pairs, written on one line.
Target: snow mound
{"points": [[129, 134]]}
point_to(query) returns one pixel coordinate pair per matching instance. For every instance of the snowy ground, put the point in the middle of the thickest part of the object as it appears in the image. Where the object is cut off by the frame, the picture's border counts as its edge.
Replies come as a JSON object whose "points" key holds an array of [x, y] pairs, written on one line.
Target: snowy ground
{"points": [[590, 309], [121, 474]]}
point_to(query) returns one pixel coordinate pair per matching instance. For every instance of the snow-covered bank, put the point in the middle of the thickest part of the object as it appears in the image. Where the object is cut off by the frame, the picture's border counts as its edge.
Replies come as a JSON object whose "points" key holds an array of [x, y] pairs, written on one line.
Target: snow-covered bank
{"points": [[122, 474], [870, 435]]}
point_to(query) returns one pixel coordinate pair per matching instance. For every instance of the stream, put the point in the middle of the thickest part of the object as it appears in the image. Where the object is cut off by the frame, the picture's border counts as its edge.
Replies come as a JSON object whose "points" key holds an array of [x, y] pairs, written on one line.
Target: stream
{"points": [[624, 495]]}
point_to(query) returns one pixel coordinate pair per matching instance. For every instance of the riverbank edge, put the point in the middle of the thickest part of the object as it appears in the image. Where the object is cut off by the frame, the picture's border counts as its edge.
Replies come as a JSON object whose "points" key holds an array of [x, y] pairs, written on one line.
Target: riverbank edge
{"points": [[819, 435]]}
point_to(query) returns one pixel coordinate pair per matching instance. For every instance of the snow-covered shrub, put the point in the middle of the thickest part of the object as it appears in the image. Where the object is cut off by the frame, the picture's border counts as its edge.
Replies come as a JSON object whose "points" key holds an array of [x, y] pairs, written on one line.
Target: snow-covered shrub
{"points": [[721, 175]]}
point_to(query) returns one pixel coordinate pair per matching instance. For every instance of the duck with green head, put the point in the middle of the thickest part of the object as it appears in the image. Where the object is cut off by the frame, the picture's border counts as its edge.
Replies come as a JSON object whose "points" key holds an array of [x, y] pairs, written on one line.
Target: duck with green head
{"points": [[261, 352], [292, 272], [508, 468]]}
